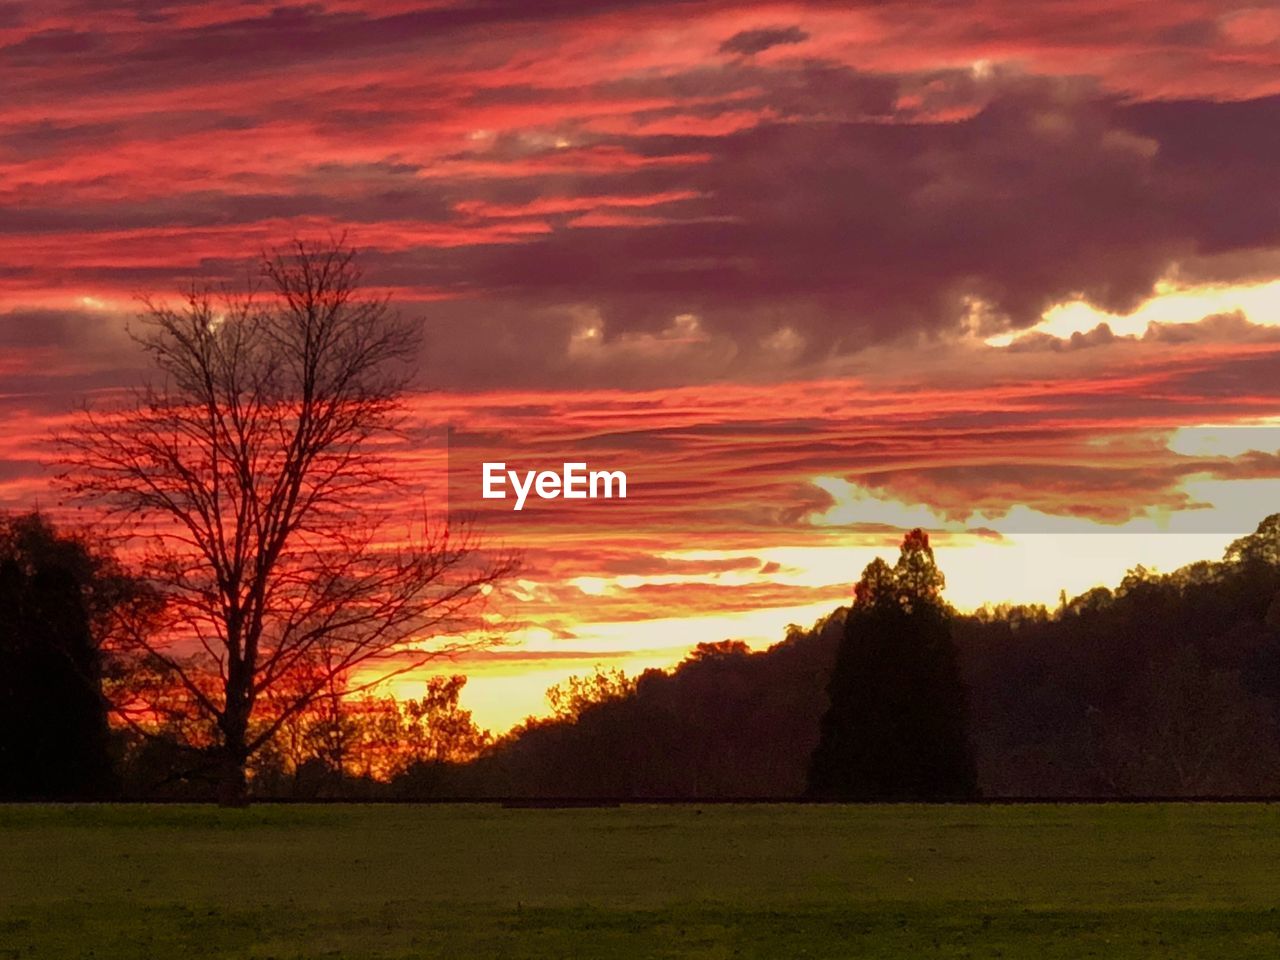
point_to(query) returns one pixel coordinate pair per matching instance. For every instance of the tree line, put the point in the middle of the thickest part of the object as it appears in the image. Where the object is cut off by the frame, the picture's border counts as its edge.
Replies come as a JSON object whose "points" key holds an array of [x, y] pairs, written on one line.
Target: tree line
{"points": [[1166, 685]]}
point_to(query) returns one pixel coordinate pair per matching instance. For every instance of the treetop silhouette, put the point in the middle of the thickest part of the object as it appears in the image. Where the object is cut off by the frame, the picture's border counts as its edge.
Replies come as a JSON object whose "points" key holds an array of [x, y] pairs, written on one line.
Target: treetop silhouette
{"points": [[896, 726]]}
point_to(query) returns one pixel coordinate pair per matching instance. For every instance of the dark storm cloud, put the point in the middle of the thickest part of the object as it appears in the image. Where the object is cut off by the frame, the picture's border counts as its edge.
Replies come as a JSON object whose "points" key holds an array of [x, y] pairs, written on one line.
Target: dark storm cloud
{"points": [[1218, 159], [829, 222], [851, 232], [749, 42]]}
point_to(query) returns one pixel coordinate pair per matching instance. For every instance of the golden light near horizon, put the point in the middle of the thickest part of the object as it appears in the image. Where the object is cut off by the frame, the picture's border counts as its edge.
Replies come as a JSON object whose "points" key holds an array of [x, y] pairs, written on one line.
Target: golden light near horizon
{"points": [[1170, 303], [1036, 561], [1030, 568]]}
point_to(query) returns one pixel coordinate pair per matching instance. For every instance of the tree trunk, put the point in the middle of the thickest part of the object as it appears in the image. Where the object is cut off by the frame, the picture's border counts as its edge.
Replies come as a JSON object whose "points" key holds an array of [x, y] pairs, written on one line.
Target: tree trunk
{"points": [[233, 788]]}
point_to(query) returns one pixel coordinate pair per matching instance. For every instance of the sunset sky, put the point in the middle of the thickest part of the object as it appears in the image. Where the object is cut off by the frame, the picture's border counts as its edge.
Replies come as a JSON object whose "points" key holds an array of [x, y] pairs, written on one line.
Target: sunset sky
{"points": [[811, 273]]}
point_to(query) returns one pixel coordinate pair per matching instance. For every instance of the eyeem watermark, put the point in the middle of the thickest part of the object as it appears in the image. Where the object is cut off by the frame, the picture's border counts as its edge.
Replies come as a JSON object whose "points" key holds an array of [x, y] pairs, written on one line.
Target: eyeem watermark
{"points": [[573, 482]]}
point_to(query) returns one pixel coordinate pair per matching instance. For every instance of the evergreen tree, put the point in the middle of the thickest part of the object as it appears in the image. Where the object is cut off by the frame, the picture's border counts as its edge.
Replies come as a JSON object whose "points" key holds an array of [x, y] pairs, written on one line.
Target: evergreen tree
{"points": [[53, 723], [896, 727]]}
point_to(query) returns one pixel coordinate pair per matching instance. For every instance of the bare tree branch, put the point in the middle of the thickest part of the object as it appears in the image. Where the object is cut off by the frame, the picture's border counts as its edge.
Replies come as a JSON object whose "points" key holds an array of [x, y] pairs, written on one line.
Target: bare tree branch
{"points": [[243, 474]]}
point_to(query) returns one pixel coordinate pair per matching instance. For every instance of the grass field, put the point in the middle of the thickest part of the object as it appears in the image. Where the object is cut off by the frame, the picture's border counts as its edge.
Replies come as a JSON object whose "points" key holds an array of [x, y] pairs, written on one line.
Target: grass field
{"points": [[773, 882]]}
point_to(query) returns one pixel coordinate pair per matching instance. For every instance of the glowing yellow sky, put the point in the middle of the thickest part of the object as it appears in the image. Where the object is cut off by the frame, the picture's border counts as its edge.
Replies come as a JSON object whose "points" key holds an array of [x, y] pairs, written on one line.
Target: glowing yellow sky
{"points": [[1026, 556]]}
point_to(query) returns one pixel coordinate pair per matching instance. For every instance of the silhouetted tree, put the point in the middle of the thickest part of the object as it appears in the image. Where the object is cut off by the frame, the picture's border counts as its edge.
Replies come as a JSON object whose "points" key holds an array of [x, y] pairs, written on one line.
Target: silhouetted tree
{"points": [[53, 718], [1260, 548], [719, 648], [248, 476], [568, 700], [436, 728], [896, 727], [342, 745]]}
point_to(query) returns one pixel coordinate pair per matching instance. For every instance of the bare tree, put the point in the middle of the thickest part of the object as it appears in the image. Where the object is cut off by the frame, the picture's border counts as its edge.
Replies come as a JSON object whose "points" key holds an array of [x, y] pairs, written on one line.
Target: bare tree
{"points": [[246, 476]]}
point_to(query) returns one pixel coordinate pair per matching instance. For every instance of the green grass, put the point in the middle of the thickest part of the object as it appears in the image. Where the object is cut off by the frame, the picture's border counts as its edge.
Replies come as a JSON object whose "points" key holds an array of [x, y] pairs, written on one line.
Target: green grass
{"points": [[775, 882]]}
